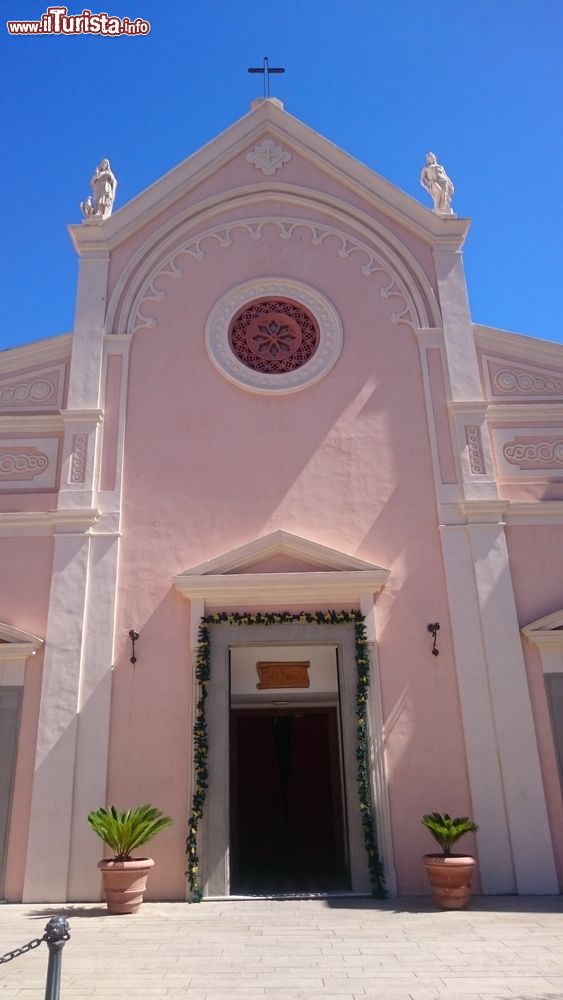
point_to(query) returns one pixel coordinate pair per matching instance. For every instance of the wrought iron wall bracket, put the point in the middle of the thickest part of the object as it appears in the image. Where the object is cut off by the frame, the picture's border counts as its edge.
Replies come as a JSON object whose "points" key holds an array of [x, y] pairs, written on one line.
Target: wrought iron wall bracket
{"points": [[434, 628], [133, 636]]}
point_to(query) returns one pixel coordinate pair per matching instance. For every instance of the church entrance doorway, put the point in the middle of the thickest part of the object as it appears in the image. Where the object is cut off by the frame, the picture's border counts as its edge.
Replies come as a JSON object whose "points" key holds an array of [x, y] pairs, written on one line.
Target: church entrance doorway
{"points": [[282, 813], [287, 816]]}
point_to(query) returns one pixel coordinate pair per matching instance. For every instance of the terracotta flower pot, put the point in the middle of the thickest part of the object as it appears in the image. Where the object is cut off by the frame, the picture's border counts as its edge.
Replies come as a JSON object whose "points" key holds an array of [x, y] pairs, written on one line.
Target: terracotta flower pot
{"points": [[124, 883], [450, 879]]}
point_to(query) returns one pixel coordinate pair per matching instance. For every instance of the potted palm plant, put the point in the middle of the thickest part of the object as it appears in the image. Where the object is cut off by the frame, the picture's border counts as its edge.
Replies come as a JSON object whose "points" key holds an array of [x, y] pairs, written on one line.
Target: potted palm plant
{"points": [[450, 874], [125, 877]]}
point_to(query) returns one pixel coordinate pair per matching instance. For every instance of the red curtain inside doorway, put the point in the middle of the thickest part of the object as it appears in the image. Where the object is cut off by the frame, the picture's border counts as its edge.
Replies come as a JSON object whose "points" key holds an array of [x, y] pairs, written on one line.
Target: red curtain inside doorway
{"points": [[286, 805]]}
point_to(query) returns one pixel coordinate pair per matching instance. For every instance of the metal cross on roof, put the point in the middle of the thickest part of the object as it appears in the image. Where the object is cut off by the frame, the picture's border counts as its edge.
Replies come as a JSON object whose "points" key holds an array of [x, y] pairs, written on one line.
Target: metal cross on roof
{"points": [[266, 69]]}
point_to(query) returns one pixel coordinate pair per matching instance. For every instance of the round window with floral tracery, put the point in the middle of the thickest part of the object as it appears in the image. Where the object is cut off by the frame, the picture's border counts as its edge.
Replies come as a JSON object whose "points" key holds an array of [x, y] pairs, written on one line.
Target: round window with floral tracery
{"points": [[273, 335]]}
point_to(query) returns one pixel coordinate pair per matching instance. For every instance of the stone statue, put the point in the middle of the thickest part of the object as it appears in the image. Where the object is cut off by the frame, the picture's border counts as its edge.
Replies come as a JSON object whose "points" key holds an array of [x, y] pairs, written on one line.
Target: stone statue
{"points": [[99, 204], [439, 186]]}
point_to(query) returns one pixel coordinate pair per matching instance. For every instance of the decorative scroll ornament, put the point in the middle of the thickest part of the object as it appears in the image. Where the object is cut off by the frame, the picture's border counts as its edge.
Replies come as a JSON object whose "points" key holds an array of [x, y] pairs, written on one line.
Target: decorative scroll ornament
{"points": [[268, 157], [435, 180], [38, 390], [22, 463], [539, 454], [78, 461], [346, 246], [99, 205], [525, 382], [475, 449]]}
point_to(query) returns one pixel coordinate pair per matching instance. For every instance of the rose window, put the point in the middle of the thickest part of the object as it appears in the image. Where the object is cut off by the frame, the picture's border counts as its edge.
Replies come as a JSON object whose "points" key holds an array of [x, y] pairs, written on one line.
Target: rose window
{"points": [[273, 335]]}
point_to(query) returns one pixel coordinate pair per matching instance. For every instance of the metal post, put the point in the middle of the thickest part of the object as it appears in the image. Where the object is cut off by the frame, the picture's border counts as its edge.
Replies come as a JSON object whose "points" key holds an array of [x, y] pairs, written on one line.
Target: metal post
{"points": [[57, 933]]}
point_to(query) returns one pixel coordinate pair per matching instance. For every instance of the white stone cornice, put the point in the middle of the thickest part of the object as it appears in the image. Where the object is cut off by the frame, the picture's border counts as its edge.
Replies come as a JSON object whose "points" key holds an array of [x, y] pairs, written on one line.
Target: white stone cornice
{"points": [[517, 345], [484, 511], [29, 424], [268, 121], [515, 512], [535, 512], [93, 416], [472, 406], [273, 588], [544, 638], [75, 521], [15, 644], [552, 624], [35, 354], [285, 543], [524, 412], [37, 422]]}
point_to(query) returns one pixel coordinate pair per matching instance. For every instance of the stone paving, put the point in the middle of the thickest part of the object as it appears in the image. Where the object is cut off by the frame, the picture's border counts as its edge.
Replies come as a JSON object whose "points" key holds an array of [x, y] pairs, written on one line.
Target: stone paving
{"points": [[334, 949]]}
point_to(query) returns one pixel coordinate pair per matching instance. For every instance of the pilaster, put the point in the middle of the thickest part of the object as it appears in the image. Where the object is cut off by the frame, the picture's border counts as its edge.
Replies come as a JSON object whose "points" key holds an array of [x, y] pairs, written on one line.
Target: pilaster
{"points": [[515, 847]]}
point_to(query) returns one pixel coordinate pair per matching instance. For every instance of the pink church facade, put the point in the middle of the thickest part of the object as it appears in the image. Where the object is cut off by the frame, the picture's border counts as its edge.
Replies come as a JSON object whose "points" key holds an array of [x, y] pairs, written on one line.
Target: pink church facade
{"points": [[274, 400]]}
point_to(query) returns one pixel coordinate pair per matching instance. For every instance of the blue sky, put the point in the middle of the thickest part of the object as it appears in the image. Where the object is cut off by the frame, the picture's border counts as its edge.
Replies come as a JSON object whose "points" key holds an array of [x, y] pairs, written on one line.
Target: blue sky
{"points": [[480, 83]]}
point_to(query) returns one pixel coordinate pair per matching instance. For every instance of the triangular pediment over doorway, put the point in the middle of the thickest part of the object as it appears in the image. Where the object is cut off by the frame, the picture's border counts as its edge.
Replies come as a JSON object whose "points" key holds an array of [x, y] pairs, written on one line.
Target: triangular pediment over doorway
{"points": [[547, 631], [281, 567], [15, 644]]}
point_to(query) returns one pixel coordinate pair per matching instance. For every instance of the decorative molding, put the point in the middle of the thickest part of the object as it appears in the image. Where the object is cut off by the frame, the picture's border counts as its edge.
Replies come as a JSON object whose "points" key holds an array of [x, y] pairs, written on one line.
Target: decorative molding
{"points": [[41, 389], [48, 522], [253, 588], [225, 360], [514, 380], [251, 128], [28, 463], [547, 631], [280, 543], [517, 349], [15, 644], [475, 449], [484, 511], [535, 512], [78, 460], [22, 463], [88, 416], [18, 360], [341, 578], [268, 157], [371, 262], [529, 453], [514, 413], [521, 382], [515, 512]]}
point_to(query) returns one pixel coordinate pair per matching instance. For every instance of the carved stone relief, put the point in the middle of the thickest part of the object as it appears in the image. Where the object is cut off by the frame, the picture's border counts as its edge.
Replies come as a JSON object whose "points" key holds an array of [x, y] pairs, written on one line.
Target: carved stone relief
{"points": [[535, 453], [528, 453], [509, 381], [78, 460], [28, 463], [345, 246], [475, 450], [268, 157], [41, 389]]}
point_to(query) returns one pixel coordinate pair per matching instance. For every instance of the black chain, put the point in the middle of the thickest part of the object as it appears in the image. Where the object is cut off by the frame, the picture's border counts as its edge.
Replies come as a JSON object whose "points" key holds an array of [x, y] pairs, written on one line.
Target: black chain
{"points": [[23, 950]]}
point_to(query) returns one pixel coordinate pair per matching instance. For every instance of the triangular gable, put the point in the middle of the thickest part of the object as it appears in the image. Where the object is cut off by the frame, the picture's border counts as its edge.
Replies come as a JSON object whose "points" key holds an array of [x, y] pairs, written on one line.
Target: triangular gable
{"points": [[15, 644], [281, 543], [236, 575], [547, 631], [266, 121]]}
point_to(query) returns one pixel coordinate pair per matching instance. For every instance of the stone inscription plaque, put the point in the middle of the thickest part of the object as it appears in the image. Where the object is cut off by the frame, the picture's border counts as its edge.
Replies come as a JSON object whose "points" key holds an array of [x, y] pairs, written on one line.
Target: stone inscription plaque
{"points": [[283, 675]]}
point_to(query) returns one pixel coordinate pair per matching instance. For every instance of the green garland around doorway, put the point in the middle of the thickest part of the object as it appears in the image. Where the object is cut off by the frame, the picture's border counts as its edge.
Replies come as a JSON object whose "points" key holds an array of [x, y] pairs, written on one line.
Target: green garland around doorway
{"points": [[201, 739]]}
